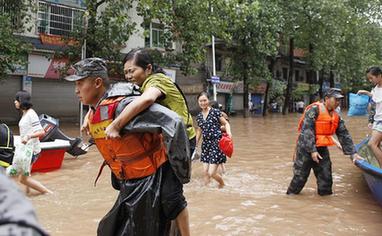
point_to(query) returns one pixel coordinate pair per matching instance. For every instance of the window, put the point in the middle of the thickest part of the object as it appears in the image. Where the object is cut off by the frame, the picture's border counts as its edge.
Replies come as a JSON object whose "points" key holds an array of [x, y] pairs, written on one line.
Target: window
{"points": [[157, 35], [219, 62], [278, 74], [285, 73], [297, 76], [58, 20], [155, 38]]}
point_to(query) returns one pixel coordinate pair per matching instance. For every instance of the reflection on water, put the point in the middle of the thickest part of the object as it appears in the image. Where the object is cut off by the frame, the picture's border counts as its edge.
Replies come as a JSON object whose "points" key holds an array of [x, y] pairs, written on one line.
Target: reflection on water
{"points": [[252, 203]]}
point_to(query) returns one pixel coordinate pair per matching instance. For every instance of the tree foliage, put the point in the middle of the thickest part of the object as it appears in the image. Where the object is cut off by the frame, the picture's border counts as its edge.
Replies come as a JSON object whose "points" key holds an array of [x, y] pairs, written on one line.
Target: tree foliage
{"points": [[13, 51], [250, 29], [106, 28], [335, 34], [343, 36], [340, 37], [186, 23]]}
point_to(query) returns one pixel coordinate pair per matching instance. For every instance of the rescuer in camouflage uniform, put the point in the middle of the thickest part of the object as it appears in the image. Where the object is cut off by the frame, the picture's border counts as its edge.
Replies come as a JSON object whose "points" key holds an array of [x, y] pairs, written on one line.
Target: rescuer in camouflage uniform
{"points": [[308, 156]]}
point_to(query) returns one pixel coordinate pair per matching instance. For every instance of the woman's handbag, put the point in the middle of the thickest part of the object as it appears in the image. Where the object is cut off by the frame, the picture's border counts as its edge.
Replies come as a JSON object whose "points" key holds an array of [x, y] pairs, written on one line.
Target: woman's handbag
{"points": [[226, 145]]}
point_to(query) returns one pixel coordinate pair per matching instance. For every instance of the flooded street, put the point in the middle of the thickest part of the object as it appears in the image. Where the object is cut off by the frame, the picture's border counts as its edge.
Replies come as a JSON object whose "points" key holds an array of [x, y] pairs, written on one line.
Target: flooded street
{"points": [[252, 203]]}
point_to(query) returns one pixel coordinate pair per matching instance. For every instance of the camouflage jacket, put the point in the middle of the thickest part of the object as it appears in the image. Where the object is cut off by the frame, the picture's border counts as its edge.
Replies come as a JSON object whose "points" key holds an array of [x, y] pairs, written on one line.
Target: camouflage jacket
{"points": [[307, 137]]}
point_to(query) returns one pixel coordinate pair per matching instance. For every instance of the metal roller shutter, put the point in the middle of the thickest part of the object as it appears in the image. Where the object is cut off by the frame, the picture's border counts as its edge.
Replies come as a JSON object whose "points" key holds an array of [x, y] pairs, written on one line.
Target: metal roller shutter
{"points": [[8, 89], [55, 98]]}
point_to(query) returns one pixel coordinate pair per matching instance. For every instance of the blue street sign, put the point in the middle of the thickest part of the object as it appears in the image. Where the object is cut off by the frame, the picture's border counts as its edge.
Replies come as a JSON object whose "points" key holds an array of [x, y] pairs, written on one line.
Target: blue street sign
{"points": [[215, 79]]}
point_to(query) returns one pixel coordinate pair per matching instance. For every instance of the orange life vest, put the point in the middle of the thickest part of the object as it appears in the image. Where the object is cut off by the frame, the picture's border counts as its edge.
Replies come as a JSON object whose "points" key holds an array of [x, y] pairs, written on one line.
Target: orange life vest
{"points": [[134, 155], [326, 125]]}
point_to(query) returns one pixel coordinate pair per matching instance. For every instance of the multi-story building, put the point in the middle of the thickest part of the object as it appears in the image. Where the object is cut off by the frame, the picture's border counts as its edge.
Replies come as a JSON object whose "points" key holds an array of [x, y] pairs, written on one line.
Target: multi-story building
{"points": [[51, 95]]}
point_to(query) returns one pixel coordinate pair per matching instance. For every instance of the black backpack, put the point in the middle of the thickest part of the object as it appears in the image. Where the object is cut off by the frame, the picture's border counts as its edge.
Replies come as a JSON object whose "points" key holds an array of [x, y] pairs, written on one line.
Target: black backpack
{"points": [[6, 146]]}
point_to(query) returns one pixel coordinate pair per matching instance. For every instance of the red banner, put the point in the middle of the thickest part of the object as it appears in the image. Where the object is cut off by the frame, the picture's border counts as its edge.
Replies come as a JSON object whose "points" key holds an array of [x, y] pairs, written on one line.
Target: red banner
{"points": [[57, 40]]}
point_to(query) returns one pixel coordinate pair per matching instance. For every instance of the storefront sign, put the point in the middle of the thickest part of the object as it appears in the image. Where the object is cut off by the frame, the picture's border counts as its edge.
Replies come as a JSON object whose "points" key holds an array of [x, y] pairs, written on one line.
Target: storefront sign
{"points": [[192, 89], [18, 70], [259, 88], [225, 87], [45, 67], [27, 84], [215, 79], [299, 52], [170, 73], [239, 88]]}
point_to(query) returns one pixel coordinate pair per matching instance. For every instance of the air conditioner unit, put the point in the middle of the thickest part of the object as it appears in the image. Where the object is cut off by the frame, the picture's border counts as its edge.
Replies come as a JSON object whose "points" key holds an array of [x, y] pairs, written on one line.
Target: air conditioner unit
{"points": [[170, 46]]}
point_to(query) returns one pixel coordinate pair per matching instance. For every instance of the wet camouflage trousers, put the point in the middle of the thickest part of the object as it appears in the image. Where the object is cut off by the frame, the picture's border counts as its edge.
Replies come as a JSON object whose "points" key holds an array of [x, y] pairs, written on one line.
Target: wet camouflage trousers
{"points": [[322, 171]]}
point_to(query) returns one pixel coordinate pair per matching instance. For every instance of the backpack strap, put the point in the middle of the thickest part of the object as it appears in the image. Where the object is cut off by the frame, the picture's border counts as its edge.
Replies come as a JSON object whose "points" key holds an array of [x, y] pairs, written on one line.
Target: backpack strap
{"points": [[185, 100], [100, 172]]}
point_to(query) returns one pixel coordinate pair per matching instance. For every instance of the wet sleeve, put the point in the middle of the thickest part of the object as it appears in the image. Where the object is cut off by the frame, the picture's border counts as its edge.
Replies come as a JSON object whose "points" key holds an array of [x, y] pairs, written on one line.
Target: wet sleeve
{"points": [[308, 133], [345, 139], [157, 82], [35, 121]]}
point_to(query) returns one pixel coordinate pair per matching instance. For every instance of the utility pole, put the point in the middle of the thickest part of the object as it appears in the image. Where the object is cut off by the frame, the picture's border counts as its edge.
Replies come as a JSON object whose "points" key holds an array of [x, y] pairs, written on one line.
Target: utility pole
{"points": [[83, 56], [213, 63]]}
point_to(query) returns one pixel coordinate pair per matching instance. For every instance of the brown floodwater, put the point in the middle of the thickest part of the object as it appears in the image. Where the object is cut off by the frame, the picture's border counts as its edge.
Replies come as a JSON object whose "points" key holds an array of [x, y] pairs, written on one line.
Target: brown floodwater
{"points": [[252, 203]]}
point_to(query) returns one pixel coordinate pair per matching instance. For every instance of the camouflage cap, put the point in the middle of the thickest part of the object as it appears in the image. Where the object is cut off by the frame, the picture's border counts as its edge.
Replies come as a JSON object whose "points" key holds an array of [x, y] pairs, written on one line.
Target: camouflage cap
{"points": [[88, 67], [334, 92]]}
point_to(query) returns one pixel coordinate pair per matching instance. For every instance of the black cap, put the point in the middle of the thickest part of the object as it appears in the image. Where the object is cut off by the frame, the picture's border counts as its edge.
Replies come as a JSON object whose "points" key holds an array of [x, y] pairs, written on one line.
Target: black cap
{"points": [[334, 92], [88, 67]]}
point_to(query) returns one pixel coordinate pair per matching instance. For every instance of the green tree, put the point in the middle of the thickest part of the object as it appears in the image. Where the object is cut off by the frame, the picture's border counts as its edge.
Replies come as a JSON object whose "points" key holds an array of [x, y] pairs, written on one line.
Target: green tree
{"points": [[187, 23], [250, 29], [106, 27], [13, 50], [361, 46], [109, 28], [341, 37]]}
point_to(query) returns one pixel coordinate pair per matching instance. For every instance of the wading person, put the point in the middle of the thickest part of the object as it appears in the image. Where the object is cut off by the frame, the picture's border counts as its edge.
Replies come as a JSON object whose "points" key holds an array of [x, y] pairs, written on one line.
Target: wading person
{"points": [[216, 105], [374, 75], [209, 121], [151, 190], [139, 68], [317, 126], [30, 131]]}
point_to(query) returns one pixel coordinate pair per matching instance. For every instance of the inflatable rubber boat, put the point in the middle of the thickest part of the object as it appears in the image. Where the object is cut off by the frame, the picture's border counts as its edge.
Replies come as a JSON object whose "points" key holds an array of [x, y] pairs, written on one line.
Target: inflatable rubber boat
{"points": [[371, 170]]}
